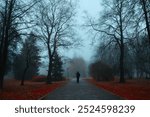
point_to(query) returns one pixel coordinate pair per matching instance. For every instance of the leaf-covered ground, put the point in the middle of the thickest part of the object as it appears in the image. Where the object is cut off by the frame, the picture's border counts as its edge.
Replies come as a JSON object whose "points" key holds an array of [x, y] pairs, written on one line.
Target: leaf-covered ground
{"points": [[131, 90], [30, 91]]}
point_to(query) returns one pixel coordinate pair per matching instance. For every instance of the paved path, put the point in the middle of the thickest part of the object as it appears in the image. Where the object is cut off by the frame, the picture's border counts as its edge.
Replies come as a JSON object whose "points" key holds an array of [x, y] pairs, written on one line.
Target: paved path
{"points": [[81, 91]]}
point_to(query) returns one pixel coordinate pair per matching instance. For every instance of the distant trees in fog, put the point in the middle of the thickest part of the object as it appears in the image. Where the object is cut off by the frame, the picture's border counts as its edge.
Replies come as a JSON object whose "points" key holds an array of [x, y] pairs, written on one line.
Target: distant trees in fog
{"points": [[76, 64]]}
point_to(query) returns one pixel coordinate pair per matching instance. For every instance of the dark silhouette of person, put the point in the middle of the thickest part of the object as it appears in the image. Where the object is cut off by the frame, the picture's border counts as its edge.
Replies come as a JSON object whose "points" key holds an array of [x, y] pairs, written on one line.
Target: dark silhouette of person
{"points": [[78, 76]]}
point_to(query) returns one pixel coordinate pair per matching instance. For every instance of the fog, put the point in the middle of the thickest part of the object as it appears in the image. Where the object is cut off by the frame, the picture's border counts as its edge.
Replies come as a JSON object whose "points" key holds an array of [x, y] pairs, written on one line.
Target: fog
{"points": [[86, 50]]}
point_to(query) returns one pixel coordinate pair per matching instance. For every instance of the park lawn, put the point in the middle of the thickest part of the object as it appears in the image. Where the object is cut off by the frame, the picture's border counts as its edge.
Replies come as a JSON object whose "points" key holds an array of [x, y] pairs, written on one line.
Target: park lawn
{"points": [[131, 90], [30, 91]]}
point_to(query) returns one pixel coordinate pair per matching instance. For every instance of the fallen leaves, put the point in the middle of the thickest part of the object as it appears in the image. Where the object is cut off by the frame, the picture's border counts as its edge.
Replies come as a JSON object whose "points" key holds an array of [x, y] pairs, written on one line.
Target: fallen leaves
{"points": [[132, 89], [30, 91]]}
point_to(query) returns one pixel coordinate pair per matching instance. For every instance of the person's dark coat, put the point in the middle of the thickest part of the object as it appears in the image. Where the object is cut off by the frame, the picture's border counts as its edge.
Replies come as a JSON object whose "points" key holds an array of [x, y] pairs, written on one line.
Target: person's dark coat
{"points": [[78, 76]]}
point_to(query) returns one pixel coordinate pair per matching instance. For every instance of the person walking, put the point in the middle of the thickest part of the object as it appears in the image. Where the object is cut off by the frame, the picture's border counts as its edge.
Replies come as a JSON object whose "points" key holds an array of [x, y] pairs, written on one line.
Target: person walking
{"points": [[78, 76]]}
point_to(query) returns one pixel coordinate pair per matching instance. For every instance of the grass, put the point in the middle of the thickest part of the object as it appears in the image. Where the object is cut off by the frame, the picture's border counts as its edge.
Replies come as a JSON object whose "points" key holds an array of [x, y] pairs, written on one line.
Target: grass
{"points": [[131, 90], [30, 91]]}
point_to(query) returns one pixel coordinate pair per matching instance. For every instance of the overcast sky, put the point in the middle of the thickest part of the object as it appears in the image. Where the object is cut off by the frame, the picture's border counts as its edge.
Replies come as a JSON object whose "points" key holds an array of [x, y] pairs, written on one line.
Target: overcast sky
{"points": [[92, 7]]}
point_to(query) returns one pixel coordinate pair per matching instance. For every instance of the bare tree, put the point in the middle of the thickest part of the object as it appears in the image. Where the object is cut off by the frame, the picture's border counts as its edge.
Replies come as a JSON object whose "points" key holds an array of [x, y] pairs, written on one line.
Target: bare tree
{"points": [[54, 20], [115, 24]]}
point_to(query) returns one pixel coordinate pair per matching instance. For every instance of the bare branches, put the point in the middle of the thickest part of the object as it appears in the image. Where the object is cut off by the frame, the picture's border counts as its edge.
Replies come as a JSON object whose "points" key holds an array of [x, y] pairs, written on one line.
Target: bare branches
{"points": [[13, 20], [54, 23]]}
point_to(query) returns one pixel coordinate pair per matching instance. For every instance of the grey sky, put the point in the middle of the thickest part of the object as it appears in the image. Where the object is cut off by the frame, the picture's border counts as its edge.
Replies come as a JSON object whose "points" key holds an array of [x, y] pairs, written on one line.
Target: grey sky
{"points": [[93, 8]]}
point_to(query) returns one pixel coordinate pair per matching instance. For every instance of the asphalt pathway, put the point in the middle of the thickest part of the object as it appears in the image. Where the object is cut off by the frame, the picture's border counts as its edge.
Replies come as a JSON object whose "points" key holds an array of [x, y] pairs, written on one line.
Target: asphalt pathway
{"points": [[81, 91]]}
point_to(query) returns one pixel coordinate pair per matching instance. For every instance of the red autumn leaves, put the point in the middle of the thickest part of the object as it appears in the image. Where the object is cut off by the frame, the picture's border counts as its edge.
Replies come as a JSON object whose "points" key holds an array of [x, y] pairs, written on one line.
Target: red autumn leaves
{"points": [[30, 91], [131, 90]]}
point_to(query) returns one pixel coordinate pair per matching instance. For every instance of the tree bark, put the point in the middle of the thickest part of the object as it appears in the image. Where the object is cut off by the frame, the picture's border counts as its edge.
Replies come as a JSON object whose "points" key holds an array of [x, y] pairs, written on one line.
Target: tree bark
{"points": [[49, 77], [3, 62], [146, 19], [23, 76], [122, 79], [1, 79]]}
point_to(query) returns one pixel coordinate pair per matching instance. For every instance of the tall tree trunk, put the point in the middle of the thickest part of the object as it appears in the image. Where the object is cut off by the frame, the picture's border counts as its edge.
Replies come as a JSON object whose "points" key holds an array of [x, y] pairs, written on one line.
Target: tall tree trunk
{"points": [[1, 78], [146, 18], [4, 45], [49, 76], [23, 76], [3, 62], [4, 55], [122, 79]]}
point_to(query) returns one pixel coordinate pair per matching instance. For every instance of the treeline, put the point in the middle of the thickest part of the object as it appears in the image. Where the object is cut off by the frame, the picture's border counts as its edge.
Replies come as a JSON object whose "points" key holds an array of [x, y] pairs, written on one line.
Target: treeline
{"points": [[123, 30], [28, 26]]}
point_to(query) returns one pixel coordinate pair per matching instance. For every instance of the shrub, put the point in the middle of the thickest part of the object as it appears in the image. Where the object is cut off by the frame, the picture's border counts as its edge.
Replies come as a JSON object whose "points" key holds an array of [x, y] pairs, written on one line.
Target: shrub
{"points": [[44, 78], [39, 78], [101, 71], [59, 79]]}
